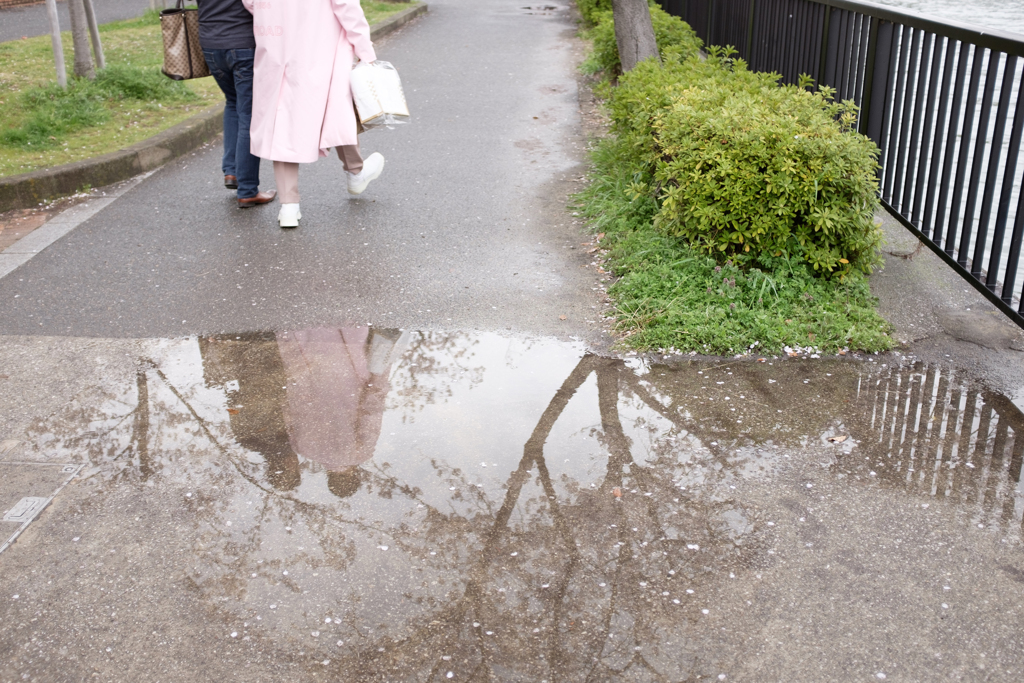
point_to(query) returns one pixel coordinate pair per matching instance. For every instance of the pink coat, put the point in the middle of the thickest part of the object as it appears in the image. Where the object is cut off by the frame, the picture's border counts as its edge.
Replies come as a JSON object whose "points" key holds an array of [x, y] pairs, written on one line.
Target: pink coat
{"points": [[335, 403], [302, 102]]}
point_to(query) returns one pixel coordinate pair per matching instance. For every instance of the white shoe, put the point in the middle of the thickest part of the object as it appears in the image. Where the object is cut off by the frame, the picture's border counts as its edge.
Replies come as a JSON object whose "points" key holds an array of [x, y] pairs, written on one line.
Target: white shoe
{"points": [[372, 167], [289, 215]]}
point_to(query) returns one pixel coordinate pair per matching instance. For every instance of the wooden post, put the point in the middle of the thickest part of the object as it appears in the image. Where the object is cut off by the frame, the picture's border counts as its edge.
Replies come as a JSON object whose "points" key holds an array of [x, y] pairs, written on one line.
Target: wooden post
{"points": [[94, 33], [58, 46]]}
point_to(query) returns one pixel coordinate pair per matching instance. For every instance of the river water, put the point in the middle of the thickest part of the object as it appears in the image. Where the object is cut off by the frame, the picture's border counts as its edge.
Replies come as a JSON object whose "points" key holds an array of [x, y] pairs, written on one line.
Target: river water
{"points": [[1003, 15]]}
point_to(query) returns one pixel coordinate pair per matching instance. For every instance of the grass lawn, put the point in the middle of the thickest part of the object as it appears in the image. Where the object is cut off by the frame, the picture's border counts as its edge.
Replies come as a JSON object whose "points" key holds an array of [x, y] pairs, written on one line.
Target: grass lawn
{"points": [[26, 70]]}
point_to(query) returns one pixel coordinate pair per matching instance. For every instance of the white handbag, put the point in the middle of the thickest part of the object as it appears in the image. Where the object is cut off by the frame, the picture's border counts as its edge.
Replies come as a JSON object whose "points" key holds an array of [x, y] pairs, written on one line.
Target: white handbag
{"points": [[377, 94]]}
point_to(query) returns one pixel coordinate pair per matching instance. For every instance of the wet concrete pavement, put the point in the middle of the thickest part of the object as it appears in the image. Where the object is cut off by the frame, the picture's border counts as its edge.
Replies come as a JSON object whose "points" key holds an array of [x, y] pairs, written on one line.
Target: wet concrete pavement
{"points": [[390, 505], [262, 486], [466, 228]]}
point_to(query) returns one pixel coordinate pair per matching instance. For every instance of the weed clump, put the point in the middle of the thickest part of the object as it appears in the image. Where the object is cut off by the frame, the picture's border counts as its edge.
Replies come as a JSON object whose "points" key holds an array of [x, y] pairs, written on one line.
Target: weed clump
{"points": [[50, 113]]}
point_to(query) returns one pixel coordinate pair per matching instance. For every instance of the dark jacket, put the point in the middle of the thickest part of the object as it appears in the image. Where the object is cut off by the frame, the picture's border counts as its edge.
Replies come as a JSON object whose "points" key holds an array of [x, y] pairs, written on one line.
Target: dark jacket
{"points": [[225, 25]]}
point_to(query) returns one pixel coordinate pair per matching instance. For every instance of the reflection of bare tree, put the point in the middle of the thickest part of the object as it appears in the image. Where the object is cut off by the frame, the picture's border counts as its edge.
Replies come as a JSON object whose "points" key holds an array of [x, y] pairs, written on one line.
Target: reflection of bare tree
{"points": [[597, 575], [551, 578], [433, 355]]}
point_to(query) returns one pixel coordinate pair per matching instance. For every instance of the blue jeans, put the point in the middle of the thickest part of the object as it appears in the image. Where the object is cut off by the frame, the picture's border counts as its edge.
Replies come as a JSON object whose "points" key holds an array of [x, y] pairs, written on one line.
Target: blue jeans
{"points": [[232, 69]]}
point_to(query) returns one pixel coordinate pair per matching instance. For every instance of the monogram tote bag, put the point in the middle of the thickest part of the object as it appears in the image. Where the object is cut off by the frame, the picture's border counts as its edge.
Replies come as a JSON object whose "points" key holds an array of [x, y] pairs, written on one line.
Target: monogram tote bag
{"points": [[183, 58]]}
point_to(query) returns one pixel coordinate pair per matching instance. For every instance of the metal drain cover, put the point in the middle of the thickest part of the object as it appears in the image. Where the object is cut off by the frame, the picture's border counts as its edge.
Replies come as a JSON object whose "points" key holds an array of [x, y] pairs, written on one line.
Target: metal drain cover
{"points": [[26, 488], [25, 510]]}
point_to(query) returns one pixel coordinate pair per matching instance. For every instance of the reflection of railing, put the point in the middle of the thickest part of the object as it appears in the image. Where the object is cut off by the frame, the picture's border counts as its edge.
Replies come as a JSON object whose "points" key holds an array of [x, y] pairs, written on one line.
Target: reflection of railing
{"points": [[949, 159], [936, 433]]}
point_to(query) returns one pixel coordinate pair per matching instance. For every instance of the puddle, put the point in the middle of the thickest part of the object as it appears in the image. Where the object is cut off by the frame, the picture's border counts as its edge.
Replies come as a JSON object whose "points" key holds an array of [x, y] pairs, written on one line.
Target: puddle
{"points": [[543, 9], [382, 501]]}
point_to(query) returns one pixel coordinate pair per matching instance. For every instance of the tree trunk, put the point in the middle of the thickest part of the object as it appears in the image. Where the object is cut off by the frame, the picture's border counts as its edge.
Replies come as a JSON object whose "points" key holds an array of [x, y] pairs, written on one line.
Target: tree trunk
{"points": [[634, 33], [55, 41], [80, 38], [94, 33]]}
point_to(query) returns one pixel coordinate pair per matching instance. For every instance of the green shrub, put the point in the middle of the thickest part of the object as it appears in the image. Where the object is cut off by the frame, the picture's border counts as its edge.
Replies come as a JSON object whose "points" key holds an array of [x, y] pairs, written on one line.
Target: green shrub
{"points": [[590, 9], [669, 294], [739, 164], [673, 36]]}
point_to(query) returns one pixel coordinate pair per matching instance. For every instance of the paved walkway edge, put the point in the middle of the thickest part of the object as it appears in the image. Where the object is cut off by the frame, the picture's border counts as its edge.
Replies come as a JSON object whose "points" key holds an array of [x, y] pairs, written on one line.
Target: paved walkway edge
{"points": [[30, 189], [31, 244]]}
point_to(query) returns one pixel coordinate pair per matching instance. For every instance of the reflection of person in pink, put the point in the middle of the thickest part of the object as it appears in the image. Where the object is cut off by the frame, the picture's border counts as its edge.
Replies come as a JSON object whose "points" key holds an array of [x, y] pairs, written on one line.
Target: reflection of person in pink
{"points": [[337, 383]]}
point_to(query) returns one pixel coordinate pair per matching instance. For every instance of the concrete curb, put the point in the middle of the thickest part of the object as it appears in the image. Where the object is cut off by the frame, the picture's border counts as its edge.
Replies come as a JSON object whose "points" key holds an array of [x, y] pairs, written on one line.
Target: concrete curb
{"points": [[30, 189], [395, 21]]}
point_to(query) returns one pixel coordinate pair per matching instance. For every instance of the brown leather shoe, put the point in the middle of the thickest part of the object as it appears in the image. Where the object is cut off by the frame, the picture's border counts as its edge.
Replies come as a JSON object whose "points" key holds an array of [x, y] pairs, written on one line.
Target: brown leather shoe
{"points": [[231, 182], [261, 198]]}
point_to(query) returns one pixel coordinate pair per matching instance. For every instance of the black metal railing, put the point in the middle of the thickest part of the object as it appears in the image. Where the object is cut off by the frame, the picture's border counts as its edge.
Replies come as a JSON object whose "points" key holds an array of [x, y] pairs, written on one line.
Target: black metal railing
{"points": [[943, 101]]}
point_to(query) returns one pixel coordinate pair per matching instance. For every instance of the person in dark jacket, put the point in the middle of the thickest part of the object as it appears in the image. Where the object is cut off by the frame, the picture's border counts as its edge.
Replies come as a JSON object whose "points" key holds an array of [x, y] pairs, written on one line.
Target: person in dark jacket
{"points": [[229, 45]]}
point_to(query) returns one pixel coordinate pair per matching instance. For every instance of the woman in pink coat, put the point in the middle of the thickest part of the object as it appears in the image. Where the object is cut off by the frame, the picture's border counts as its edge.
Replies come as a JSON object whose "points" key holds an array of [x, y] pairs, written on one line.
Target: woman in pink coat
{"points": [[302, 102]]}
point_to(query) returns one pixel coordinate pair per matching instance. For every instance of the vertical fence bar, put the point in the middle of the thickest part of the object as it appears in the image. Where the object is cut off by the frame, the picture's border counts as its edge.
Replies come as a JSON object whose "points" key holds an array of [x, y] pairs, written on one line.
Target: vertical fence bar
{"points": [[814, 56], [792, 36], [763, 18], [828, 48], [796, 48], [710, 19], [995, 153], [964, 158], [977, 162], [842, 51], [930, 210], [889, 102], [949, 159], [757, 13], [771, 44], [864, 56], [873, 111], [915, 155], [799, 39], [906, 121], [848, 54], [928, 145], [897, 122], [788, 31], [1010, 175], [750, 32]]}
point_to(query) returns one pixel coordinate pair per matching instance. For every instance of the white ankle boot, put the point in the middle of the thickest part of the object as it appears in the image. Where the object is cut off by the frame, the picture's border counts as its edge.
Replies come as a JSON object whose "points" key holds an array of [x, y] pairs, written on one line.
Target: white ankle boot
{"points": [[372, 166], [289, 215]]}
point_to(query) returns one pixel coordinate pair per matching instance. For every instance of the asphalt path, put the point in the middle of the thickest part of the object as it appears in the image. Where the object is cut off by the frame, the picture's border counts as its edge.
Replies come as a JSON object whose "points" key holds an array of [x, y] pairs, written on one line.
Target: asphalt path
{"points": [[467, 228], [30, 20]]}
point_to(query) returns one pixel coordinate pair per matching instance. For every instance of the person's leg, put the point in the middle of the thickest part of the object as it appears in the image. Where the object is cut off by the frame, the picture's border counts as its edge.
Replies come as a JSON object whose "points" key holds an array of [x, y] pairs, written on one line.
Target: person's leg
{"points": [[286, 175], [247, 164], [216, 60], [350, 157]]}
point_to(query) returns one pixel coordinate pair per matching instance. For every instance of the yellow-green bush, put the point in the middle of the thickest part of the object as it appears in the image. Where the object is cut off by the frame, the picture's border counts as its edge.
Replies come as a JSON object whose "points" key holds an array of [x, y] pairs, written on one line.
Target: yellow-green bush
{"points": [[590, 9], [740, 164]]}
